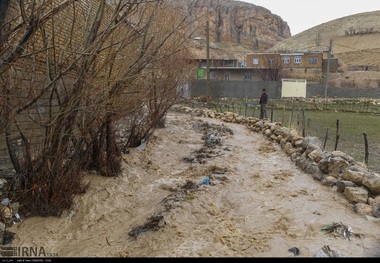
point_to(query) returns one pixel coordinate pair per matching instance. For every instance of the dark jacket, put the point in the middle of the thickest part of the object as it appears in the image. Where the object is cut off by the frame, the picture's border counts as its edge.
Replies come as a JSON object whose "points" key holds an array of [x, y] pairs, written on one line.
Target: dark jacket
{"points": [[264, 98]]}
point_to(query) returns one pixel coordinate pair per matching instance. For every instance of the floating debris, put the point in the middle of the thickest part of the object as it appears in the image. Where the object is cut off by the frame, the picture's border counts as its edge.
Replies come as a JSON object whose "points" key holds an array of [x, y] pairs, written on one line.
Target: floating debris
{"points": [[5, 201], [294, 250], [205, 181], [8, 237], [151, 224], [341, 229], [327, 252], [189, 185], [167, 203]]}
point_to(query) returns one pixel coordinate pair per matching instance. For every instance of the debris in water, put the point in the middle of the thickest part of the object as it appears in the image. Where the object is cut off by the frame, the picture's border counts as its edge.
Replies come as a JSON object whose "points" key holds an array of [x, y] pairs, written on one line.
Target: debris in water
{"points": [[294, 250]]}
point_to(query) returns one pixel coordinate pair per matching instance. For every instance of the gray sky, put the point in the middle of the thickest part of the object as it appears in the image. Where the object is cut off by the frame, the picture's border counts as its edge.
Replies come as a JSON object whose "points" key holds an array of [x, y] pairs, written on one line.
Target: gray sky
{"points": [[304, 14]]}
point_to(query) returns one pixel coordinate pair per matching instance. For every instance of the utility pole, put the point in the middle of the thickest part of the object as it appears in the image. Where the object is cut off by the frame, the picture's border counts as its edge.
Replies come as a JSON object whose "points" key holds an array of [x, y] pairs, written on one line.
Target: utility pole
{"points": [[208, 87], [328, 72]]}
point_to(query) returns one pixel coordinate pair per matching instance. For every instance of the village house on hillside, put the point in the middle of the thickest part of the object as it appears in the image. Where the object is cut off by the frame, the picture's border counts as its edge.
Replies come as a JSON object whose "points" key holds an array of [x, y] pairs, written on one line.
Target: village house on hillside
{"points": [[310, 65]]}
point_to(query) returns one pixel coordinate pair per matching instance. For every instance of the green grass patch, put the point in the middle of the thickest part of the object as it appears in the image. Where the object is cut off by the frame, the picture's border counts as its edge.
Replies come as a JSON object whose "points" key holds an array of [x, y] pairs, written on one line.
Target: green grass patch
{"points": [[339, 123]]}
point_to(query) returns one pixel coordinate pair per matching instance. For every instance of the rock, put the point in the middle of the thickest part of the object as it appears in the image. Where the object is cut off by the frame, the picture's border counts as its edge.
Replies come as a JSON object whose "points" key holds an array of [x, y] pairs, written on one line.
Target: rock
{"points": [[353, 176], [343, 184], [371, 218], [342, 155], [315, 155], [312, 142], [376, 209], [3, 183], [337, 166], [372, 181], [323, 164], [6, 214], [363, 209], [329, 181], [356, 194]]}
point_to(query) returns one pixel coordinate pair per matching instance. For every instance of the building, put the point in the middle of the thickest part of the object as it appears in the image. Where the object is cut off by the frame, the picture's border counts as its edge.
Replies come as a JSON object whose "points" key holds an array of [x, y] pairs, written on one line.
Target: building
{"points": [[310, 65]]}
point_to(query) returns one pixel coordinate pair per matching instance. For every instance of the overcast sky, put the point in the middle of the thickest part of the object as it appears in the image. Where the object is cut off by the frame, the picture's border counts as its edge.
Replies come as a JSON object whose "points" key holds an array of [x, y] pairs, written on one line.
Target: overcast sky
{"points": [[304, 14]]}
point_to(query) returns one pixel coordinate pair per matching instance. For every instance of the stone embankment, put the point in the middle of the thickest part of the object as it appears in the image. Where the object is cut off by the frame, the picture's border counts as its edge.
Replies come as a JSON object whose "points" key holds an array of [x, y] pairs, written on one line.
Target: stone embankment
{"points": [[335, 169]]}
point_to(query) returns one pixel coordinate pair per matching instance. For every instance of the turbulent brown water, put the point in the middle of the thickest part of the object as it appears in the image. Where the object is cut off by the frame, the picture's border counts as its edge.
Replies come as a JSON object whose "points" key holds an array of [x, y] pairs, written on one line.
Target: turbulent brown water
{"points": [[258, 204]]}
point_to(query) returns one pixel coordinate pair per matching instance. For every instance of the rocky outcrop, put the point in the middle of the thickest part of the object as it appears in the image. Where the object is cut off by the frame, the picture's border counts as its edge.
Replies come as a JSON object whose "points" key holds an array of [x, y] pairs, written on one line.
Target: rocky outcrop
{"points": [[234, 23]]}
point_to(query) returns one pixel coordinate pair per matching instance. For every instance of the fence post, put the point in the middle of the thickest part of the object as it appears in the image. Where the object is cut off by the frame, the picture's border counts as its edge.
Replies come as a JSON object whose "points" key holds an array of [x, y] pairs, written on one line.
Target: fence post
{"points": [[303, 122], [271, 115], [337, 135], [366, 153], [298, 122]]}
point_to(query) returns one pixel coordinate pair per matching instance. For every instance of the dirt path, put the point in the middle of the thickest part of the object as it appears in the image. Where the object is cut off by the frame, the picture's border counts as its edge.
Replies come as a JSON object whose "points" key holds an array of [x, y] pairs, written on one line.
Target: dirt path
{"points": [[259, 204]]}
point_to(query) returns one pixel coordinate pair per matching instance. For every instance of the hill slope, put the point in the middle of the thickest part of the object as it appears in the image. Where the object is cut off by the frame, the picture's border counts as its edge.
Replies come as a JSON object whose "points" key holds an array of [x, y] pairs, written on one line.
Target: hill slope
{"points": [[355, 42], [356, 33]]}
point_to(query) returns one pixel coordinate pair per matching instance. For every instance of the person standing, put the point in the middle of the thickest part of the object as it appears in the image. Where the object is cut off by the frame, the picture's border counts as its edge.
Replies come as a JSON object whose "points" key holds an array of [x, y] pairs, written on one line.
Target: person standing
{"points": [[263, 104]]}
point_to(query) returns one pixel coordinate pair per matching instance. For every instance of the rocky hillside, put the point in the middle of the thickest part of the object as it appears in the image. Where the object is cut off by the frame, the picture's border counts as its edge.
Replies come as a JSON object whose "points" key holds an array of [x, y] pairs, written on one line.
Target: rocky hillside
{"points": [[355, 42], [235, 27], [355, 39]]}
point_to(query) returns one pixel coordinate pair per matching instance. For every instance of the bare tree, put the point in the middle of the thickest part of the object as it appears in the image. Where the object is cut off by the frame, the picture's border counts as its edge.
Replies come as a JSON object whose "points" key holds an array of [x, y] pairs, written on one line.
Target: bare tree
{"points": [[71, 72], [271, 68]]}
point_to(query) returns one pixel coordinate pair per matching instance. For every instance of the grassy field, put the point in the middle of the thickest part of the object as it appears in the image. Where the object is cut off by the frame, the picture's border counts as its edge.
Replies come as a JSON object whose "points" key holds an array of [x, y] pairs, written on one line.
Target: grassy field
{"points": [[344, 131], [339, 124]]}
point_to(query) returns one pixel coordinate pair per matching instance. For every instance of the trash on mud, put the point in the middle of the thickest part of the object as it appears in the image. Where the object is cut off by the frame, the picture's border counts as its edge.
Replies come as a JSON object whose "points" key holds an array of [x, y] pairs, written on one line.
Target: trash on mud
{"points": [[5, 201], [205, 181], [294, 250], [152, 223], [340, 229], [327, 252], [167, 204], [17, 217], [201, 154], [218, 170], [189, 185], [8, 237]]}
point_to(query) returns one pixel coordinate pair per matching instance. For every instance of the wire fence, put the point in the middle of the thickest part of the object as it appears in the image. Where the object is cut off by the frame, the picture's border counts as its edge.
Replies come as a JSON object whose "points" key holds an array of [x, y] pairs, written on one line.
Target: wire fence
{"points": [[350, 126]]}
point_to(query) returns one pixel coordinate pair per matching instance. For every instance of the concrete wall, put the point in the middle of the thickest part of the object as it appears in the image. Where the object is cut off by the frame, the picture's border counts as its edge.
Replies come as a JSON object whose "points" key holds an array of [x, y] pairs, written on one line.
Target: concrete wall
{"points": [[252, 90], [235, 89]]}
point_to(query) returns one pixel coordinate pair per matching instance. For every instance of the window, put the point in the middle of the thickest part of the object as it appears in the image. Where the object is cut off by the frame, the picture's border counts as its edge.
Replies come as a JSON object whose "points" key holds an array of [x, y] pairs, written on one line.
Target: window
{"points": [[255, 61], [313, 60], [247, 75], [297, 59], [227, 76], [271, 61], [228, 63], [286, 60]]}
